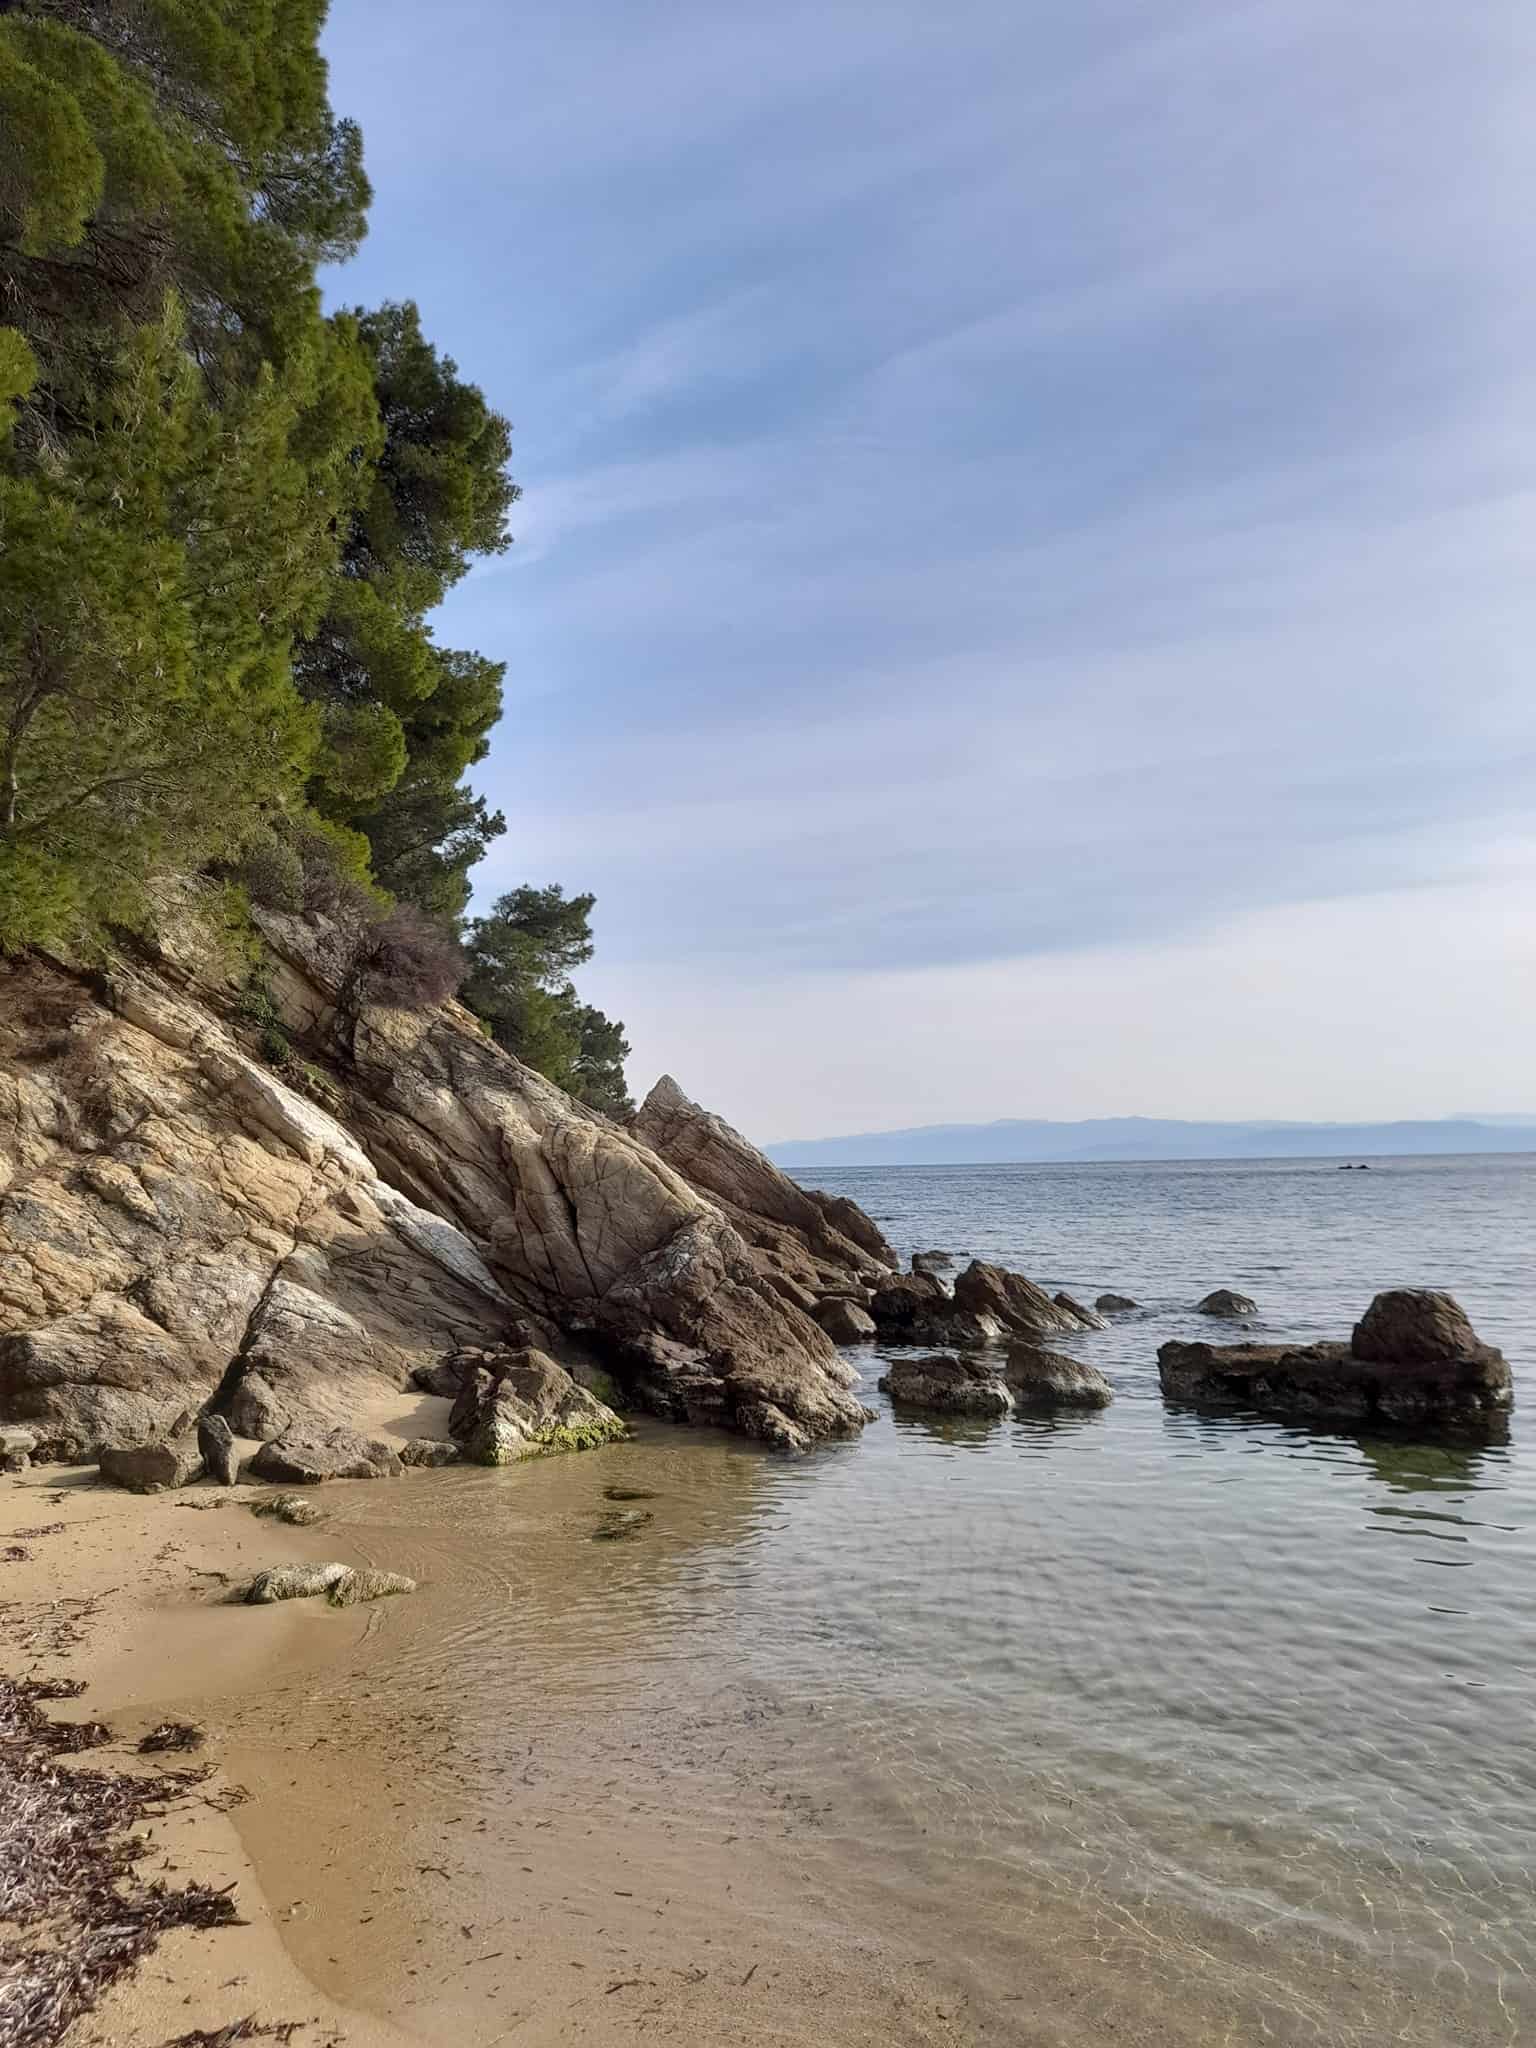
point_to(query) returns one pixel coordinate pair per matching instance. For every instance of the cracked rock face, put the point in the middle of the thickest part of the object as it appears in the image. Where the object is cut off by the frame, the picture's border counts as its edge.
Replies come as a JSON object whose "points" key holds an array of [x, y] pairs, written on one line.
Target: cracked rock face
{"points": [[184, 1228]]}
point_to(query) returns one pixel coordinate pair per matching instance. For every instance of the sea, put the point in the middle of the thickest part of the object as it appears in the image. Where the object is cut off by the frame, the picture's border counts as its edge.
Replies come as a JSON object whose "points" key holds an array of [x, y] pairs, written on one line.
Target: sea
{"points": [[1137, 1725]]}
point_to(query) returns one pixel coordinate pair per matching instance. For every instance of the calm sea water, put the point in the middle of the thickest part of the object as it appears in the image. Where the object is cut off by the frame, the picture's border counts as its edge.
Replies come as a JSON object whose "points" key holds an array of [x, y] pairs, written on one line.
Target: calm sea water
{"points": [[1185, 1729], [1282, 1678]]}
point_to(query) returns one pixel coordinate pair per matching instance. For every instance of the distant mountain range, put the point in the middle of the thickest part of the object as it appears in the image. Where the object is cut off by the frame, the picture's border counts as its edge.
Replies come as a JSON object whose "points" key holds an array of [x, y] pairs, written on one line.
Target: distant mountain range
{"points": [[1150, 1137]]}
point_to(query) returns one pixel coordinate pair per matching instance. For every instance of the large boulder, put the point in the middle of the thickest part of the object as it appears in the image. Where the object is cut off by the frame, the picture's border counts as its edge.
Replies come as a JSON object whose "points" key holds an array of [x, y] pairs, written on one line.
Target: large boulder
{"points": [[1414, 1325], [521, 1404], [1114, 1304], [1424, 1384], [947, 1386], [151, 1468], [1037, 1378], [307, 1453], [1225, 1301]]}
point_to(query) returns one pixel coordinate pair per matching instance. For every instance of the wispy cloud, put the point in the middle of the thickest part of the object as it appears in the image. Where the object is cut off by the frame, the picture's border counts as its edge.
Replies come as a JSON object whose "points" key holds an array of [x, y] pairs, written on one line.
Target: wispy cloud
{"points": [[999, 481]]}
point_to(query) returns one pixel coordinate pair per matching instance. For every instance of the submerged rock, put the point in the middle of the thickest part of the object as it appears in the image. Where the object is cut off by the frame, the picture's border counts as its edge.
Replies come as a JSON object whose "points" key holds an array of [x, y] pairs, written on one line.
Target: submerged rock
{"points": [[151, 1468], [621, 1523], [947, 1386], [1414, 1359], [844, 1321], [1114, 1304], [292, 1508], [628, 1493], [216, 1441], [1049, 1379], [932, 1262], [521, 1404], [1225, 1302], [308, 1453]]}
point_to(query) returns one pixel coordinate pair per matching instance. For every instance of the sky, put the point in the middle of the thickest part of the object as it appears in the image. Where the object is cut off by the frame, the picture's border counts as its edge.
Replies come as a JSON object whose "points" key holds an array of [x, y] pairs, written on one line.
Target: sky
{"points": [[1023, 600]]}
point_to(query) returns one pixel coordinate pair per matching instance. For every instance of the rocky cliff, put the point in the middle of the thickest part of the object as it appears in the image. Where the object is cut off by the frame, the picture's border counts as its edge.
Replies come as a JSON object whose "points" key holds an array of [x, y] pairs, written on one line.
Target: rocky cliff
{"points": [[185, 1224]]}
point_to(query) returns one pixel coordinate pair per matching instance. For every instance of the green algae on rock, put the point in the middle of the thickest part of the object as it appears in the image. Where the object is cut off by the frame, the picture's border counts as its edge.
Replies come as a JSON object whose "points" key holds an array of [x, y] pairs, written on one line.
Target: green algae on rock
{"points": [[521, 1404]]}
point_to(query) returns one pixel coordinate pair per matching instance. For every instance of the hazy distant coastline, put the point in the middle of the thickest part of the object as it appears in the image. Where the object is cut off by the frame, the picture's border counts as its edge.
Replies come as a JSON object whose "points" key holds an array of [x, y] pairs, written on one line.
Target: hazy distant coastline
{"points": [[1023, 1140]]}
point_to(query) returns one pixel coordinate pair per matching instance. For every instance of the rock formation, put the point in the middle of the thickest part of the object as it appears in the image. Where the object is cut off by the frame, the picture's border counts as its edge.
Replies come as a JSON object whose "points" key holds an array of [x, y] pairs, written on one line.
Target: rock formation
{"points": [[1037, 1378], [185, 1228], [520, 1404], [1114, 1304], [947, 1386], [1223, 1301], [1414, 1359]]}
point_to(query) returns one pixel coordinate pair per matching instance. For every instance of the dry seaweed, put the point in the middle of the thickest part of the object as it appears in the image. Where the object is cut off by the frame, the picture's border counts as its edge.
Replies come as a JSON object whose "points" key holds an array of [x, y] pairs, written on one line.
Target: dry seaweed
{"points": [[248, 2029], [79, 1915], [172, 1735]]}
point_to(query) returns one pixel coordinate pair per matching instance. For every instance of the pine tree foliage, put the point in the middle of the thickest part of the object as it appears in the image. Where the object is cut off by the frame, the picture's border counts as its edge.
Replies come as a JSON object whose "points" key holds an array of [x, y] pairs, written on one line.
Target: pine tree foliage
{"points": [[521, 958]]}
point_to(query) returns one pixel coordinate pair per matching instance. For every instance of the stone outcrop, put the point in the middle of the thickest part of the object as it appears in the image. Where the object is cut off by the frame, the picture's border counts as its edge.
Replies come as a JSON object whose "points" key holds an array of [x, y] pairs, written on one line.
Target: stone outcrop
{"points": [[1114, 1304], [513, 1405], [1224, 1301], [184, 1227], [1414, 1359], [948, 1386], [815, 1243], [1037, 1378]]}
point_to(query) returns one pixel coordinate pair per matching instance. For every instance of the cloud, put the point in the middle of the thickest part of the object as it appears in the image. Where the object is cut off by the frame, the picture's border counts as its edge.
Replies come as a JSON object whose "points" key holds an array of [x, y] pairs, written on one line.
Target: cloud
{"points": [[999, 483]]}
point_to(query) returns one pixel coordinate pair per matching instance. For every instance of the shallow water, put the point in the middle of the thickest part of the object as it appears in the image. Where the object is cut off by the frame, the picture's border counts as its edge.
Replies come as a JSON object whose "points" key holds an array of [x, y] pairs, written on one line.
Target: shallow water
{"points": [[1135, 1725]]}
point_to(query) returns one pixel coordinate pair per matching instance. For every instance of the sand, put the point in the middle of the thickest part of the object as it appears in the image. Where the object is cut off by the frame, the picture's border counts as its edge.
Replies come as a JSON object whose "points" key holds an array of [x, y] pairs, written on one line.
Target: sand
{"points": [[384, 1899]]}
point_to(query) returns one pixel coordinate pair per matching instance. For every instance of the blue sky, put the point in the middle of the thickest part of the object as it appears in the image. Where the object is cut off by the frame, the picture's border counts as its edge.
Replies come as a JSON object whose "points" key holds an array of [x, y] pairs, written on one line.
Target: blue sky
{"points": [[1023, 597]]}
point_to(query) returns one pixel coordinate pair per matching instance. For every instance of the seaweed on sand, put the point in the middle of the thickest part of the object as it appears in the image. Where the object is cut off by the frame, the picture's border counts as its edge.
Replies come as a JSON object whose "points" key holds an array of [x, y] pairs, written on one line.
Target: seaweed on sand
{"points": [[78, 1915]]}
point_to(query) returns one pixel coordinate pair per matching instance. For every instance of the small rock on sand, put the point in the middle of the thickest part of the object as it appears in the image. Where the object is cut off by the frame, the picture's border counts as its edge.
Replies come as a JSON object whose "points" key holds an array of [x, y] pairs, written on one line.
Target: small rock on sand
{"points": [[288, 1507], [342, 1585], [429, 1450], [150, 1468]]}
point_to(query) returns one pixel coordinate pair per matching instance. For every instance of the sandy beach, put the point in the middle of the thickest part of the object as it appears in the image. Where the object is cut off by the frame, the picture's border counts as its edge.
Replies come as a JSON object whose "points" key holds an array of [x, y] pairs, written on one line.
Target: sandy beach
{"points": [[390, 1886]]}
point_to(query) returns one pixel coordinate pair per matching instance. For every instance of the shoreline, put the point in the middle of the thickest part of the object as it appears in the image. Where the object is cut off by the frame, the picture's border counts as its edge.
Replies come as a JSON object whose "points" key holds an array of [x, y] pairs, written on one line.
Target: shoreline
{"points": [[490, 1813], [344, 1865]]}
